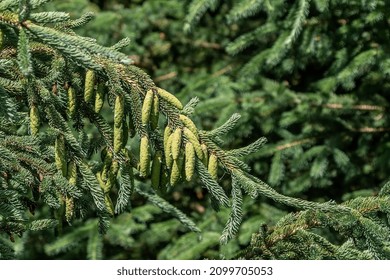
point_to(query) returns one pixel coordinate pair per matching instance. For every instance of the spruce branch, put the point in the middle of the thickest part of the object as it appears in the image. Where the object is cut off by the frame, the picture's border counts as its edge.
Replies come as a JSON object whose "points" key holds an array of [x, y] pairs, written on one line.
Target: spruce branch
{"points": [[49, 17], [24, 55], [84, 19], [166, 207], [246, 40], [226, 127], [244, 9], [251, 148], [236, 214], [300, 16], [196, 11], [42, 224], [262, 188], [59, 66], [298, 226], [126, 187]]}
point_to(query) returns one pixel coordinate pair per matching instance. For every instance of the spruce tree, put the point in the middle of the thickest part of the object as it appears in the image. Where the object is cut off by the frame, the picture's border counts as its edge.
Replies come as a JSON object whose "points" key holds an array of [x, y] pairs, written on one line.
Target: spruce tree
{"points": [[87, 137]]}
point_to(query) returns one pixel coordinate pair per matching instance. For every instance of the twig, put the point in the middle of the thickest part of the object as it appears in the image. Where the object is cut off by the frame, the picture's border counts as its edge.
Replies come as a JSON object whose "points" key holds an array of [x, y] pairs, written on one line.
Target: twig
{"points": [[363, 107], [165, 77], [370, 129], [292, 144], [223, 71], [207, 45]]}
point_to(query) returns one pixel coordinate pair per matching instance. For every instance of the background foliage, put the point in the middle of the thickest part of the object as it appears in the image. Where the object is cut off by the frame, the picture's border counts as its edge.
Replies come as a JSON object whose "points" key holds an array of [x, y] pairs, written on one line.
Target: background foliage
{"points": [[310, 76]]}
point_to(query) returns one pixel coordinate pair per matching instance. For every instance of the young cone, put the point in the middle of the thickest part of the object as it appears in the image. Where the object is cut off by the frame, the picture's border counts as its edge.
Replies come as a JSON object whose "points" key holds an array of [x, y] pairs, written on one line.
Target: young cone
{"points": [[89, 85], [60, 155], [168, 154], [147, 107], [213, 166], [189, 124], [194, 141], [118, 123], [176, 143], [72, 101], [156, 169], [170, 98], [118, 138], [144, 158], [69, 209], [72, 173], [99, 98], [34, 120], [154, 115], [175, 173], [189, 161], [119, 110], [167, 133], [167, 147]]}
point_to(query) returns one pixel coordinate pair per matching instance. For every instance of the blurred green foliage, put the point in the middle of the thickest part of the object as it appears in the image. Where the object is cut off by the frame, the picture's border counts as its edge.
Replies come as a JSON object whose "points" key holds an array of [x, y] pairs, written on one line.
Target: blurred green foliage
{"points": [[310, 76]]}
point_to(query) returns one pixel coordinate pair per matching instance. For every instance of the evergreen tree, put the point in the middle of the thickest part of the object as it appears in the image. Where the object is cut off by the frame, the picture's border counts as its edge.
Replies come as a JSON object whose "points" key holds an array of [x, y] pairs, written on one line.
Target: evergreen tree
{"points": [[84, 132]]}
